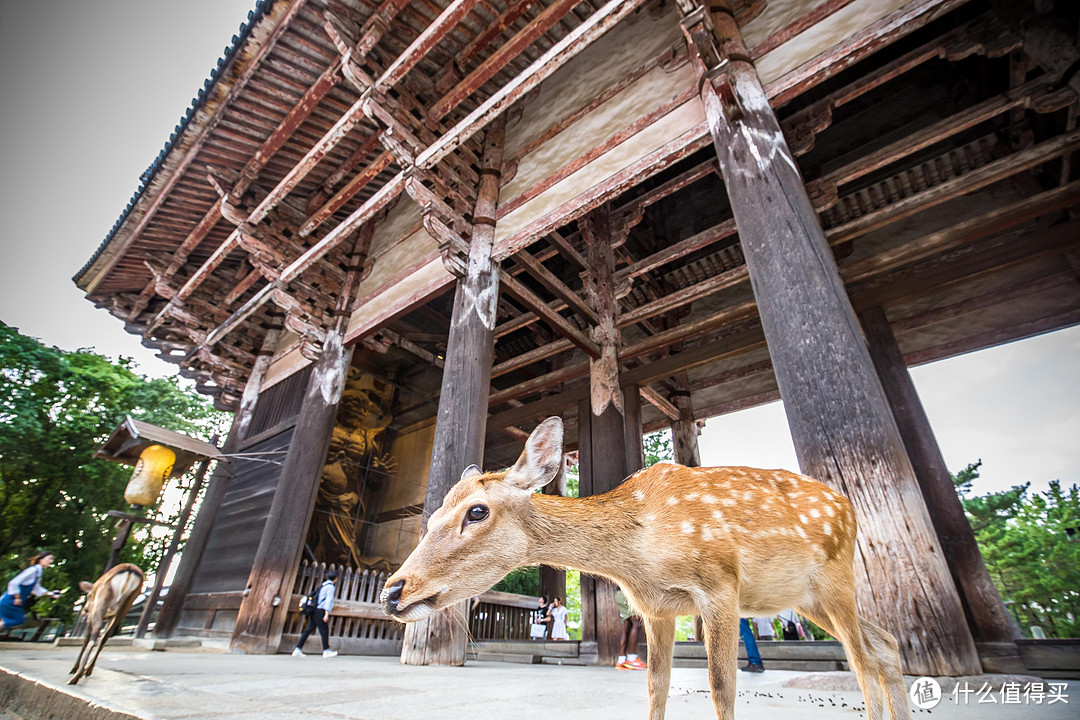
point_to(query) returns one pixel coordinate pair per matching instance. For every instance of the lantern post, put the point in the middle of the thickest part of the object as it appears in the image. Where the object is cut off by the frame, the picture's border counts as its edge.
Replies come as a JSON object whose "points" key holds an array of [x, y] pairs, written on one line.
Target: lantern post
{"points": [[157, 455]]}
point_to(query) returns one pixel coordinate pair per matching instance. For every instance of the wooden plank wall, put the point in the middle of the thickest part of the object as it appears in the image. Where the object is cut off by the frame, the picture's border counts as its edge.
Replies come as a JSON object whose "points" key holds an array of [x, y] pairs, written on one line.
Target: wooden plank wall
{"points": [[222, 574]]}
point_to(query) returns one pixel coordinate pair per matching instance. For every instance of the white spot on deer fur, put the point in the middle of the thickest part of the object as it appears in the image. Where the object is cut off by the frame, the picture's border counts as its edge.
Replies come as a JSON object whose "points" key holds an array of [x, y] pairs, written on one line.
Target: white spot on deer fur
{"points": [[812, 498], [827, 528], [706, 533], [748, 495], [802, 519], [814, 513], [650, 518], [708, 499], [639, 495], [718, 515], [693, 496], [673, 501], [687, 527], [728, 501], [802, 533], [830, 510]]}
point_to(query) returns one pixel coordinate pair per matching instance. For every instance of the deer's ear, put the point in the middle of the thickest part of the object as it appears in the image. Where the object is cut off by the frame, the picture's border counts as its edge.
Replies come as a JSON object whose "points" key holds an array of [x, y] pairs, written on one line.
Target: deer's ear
{"points": [[85, 586], [471, 471], [541, 459]]}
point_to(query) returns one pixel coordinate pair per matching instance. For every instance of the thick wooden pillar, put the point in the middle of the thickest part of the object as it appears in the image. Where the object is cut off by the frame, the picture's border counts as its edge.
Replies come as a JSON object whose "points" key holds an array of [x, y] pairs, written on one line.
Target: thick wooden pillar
{"points": [[987, 617], [460, 425], [262, 614], [602, 425], [632, 433], [684, 431], [192, 553], [840, 419]]}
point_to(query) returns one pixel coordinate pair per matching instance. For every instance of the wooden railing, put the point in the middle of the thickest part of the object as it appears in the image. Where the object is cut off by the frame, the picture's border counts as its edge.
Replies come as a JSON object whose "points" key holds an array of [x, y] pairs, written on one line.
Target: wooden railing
{"points": [[358, 624], [502, 616]]}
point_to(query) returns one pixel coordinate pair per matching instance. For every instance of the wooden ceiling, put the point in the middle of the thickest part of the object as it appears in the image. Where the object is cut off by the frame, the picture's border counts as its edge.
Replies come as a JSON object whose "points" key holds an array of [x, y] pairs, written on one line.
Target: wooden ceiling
{"points": [[940, 156]]}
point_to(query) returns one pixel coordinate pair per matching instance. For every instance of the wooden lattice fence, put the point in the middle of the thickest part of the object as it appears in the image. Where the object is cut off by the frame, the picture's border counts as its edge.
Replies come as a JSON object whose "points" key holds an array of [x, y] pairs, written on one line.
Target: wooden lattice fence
{"points": [[358, 625]]}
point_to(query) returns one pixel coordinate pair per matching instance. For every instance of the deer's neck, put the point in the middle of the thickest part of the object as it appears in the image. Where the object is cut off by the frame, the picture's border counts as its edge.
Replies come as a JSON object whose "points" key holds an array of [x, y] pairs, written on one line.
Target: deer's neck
{"points": [[590, 534]]}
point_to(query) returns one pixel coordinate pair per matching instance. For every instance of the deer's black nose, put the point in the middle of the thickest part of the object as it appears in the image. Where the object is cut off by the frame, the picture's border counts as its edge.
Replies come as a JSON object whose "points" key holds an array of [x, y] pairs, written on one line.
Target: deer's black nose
{"points": [[392, 597]]}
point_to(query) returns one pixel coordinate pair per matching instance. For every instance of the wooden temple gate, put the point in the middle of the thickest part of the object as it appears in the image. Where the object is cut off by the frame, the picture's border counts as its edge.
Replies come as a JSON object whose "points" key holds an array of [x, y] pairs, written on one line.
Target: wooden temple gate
{"points": [[393, 236]]}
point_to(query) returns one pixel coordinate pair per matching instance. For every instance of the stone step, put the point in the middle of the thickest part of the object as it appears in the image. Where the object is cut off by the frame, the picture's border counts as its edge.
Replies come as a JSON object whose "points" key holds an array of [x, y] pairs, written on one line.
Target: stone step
{"points": [[505, 657], [545, 649]]}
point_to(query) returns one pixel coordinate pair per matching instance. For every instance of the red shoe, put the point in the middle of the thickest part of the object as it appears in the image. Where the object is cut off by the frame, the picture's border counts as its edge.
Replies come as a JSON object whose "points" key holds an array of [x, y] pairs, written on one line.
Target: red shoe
{"points": [[624, 665], [635, 664]]}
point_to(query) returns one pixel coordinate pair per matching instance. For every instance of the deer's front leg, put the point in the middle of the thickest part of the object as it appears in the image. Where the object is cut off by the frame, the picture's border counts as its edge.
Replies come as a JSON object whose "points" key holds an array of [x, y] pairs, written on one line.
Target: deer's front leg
{"points": [[661, 635], [722, 645]]}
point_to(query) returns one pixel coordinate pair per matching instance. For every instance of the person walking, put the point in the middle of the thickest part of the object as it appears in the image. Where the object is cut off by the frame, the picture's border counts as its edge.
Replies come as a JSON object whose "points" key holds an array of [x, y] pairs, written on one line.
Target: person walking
{"points": [[558, 619], [21, 588], [753, 657], [320, 618]]}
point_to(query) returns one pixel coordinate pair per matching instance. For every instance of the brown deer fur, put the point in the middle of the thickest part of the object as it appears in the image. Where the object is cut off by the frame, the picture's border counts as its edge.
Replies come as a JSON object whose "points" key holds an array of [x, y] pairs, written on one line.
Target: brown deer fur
{"points": [[716, 542], [107, 602]]}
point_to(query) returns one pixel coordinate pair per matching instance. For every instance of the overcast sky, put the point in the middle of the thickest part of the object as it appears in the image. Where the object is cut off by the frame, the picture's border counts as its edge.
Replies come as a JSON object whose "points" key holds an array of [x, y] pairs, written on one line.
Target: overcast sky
{"points": [[93, 88]]}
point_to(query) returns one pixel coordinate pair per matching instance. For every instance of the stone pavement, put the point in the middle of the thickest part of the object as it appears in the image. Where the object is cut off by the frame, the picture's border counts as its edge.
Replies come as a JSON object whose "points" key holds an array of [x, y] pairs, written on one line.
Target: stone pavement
{"points": [[223, 686]]}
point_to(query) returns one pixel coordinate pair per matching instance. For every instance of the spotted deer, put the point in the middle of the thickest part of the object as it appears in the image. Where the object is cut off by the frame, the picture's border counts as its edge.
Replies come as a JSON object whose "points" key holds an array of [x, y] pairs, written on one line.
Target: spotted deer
{"points": [[108, 600], [716, 542]]}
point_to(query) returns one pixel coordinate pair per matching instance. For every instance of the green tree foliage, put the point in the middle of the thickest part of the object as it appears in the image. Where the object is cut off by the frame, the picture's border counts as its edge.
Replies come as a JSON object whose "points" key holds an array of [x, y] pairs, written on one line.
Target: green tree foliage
{"points": [[523, 581], [658, 447], [56, 408], [1031, 545]]}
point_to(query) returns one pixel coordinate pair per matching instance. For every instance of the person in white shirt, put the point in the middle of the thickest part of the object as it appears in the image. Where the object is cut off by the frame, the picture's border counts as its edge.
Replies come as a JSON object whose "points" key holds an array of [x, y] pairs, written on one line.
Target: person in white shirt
{"points": [[21, 588], [320, 618], [558, 616]]}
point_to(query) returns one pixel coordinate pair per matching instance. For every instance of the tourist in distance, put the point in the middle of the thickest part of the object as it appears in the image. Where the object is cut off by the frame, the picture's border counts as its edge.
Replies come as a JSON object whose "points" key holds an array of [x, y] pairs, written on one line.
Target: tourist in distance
{"points": [[21, 588], [320, 618], [558, 619]]}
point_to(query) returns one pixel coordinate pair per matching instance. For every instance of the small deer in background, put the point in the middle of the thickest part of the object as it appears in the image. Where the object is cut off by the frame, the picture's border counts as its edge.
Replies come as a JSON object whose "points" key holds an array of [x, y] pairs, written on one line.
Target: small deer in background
{"points": [[107, 602], [722, 543]]}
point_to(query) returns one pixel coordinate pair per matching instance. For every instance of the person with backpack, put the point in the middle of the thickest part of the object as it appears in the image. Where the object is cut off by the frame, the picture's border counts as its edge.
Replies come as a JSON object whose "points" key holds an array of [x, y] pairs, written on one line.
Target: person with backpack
{"points": [[317, 606]]}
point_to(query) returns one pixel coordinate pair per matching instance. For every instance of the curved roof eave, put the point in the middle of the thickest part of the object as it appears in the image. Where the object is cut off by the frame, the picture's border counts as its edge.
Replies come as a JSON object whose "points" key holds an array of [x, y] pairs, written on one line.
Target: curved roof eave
{"points": [[148, 176]]}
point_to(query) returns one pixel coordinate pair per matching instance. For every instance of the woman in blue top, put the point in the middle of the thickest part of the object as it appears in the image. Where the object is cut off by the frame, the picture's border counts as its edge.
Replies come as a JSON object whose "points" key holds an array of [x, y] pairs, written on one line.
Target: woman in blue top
{"points": [[320, 618], [21, 588]]}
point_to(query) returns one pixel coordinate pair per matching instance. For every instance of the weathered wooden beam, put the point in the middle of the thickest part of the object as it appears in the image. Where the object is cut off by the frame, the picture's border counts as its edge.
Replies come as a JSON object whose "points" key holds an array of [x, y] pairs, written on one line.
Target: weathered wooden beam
{"points": [[680, 249], [245, 284], [1034, 95], [528, 358], [564, 246], [429, 38], [533, 302], [966, 231], [839, 57], [967, 183], [555, 286], [492, 30], [543, 67], [672, 186], [661, 403], [495, 62], [686, 295], [358, 182]]}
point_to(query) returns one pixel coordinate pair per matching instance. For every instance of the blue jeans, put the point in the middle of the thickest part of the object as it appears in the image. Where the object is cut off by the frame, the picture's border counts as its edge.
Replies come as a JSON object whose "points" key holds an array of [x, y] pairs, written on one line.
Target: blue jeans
{"points": [[747, 635]]}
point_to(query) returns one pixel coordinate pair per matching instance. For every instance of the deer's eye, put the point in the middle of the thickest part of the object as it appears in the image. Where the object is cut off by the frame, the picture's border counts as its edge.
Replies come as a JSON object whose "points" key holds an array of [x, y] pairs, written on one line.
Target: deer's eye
{"points": [[476, 513]]}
